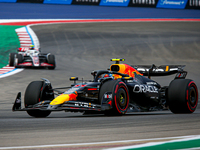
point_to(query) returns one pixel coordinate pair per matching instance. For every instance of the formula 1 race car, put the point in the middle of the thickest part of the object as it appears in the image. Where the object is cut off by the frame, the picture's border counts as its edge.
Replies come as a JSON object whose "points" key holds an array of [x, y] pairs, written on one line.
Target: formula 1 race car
{"points": [[31, 57], [115, 91]]}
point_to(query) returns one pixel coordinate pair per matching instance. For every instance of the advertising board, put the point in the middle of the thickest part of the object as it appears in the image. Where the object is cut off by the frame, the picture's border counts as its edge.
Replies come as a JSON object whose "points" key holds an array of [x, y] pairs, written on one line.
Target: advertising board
{"points": [[9, 1], [114, 2], [143, 3], [30, 1], [86, 2], [57, 1], [178, 4], [193, 4]]}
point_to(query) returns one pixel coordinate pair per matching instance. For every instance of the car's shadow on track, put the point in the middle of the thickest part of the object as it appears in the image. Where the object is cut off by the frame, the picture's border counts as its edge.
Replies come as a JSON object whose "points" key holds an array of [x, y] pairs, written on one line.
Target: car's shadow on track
{"points": [[113, 116], [71, 115], [7, 114], [54, 115]]}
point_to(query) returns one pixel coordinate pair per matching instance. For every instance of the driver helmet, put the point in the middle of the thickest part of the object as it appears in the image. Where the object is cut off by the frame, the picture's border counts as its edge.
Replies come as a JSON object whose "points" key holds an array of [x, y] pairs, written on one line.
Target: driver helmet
{"points": [[116, 76], [31, 47], [107, 75]]}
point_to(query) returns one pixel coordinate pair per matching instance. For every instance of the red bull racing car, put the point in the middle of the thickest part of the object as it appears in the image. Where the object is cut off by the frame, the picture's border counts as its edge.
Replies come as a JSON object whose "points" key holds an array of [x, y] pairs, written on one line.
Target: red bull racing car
{"points": [[115, 91], [31, 57]]}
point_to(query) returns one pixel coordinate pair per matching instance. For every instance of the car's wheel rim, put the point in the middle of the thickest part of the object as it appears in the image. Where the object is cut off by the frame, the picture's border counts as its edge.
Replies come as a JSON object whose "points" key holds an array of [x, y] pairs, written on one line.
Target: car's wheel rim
{"points": [[122, 99], [192, 97]]}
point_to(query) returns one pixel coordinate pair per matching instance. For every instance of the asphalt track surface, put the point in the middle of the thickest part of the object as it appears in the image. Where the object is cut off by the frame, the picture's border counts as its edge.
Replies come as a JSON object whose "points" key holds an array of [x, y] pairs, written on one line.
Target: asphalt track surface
{"points": [[83, 47]]}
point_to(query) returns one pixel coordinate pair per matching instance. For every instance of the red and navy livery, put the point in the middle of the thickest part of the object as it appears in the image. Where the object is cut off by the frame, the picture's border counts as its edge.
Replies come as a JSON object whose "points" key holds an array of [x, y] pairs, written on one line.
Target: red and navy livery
{"points": [[122, 88]]}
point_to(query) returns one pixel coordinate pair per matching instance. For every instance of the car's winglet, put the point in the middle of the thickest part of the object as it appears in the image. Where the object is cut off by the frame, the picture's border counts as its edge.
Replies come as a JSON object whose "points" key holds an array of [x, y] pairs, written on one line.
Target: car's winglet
{"points": [[17, 104]]}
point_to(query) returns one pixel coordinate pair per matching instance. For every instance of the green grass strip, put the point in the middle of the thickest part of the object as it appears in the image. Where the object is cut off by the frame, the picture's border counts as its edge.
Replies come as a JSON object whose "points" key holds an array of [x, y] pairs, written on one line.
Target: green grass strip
{"points": [[9, 43], [172, 146]]}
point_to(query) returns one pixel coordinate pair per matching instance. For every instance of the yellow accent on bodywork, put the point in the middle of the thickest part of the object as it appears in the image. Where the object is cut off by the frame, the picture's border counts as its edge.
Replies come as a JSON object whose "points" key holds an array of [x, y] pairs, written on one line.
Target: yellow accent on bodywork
{"points": [[117, 59], [60, 99], [167, 68], [128, 78]]}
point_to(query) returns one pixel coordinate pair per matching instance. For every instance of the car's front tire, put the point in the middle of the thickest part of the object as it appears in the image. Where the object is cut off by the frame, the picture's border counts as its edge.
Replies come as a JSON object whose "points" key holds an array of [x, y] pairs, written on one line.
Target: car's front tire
{"points": [[33, 96], [182, 96], [19, 60], [120, 96], [12, 59]]}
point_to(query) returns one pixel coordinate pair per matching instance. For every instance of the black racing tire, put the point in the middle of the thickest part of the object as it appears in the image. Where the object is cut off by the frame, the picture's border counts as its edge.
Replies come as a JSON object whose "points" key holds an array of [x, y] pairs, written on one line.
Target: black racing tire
{"points": [[182, 96], [51, 60], [32, 97], [12, 59], [120, 96], [20, 58]]}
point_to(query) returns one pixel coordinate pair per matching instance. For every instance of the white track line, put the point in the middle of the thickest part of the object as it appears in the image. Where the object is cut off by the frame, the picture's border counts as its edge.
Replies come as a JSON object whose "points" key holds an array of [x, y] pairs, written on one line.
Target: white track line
{"points": [[11, 72], [111, 142]]}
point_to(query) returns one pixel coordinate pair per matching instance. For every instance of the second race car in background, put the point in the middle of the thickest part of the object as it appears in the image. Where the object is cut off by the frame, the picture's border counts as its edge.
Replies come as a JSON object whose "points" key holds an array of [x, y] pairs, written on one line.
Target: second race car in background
{"points": [[31, 57]]}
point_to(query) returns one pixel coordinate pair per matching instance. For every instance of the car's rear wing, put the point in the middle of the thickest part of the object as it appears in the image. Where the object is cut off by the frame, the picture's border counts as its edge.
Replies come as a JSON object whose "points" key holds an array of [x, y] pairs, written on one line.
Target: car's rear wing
{"points": [[163, 70]]}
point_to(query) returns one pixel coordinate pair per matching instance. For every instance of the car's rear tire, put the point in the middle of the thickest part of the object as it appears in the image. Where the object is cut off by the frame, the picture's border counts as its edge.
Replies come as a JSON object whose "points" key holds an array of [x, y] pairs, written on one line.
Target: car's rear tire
{"points": [[51, 60], [12, 59], [120, 96], [182, 96], [32, 97], [20, 58]]}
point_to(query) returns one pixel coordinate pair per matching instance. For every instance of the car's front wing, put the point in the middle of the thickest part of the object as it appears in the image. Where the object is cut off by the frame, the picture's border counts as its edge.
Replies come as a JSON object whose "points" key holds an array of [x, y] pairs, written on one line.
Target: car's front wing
{"points": [[30, 64], [67, 106]]}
